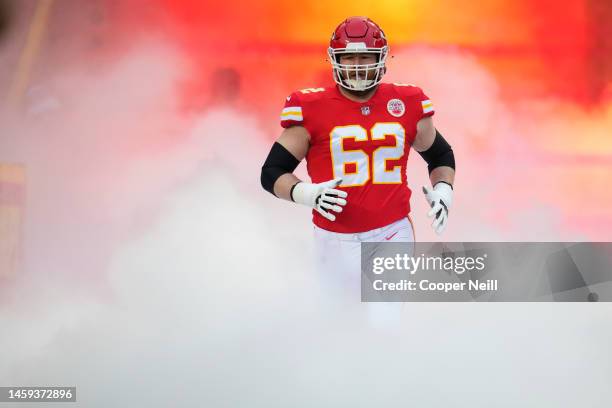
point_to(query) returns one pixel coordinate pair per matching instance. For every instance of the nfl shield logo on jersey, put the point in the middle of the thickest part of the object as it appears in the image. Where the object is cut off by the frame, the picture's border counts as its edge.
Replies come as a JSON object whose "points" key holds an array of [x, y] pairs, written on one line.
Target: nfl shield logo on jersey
{"points": [[396, 107], [365, 110]]}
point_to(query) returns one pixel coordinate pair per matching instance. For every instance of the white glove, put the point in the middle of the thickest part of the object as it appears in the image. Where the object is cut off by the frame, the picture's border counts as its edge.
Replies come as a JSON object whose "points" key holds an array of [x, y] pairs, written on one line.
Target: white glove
{"points": [[440, 200], [322, 197]]}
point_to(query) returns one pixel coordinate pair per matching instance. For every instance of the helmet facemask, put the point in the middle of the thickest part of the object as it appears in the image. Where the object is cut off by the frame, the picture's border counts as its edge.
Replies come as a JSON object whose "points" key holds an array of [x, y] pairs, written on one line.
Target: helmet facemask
{"points": [[359, 81]]}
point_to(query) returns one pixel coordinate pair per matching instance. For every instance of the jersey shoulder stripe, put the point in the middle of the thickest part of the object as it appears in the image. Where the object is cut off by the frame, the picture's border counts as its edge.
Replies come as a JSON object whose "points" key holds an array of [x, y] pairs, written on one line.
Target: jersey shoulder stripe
{"points": [[415, 97], [292, 113]]}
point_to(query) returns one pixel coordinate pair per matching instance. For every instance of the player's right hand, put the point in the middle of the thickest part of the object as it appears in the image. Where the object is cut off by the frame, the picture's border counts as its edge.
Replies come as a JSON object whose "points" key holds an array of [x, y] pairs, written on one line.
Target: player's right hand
{"points": [[323, 197]]}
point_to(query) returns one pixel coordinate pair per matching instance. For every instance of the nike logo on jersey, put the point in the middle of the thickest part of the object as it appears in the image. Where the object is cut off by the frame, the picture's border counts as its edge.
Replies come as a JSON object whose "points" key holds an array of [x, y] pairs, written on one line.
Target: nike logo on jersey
{"points": [[391, 236]]}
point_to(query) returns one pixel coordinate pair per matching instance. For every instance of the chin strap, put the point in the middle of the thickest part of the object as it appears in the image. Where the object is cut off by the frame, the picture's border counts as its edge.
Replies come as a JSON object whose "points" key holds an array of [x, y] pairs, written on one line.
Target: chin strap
{"points": [[358, 84]]}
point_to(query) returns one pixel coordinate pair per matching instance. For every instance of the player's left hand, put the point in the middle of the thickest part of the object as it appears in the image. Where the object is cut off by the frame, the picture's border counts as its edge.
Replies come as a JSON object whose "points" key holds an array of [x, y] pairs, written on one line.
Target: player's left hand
{"points": [[440, 199]]}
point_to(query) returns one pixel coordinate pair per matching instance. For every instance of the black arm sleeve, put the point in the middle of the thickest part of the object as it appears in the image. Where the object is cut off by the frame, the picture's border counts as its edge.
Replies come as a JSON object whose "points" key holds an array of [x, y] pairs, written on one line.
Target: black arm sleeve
{"points": [[278, 162], [439, 154]]}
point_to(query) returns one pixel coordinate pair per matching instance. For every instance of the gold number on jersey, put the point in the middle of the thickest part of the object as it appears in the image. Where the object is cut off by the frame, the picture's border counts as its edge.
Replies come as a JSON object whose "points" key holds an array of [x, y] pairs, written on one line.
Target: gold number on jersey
{"points": [[341, 157], [311, 90], [382, 154], [361, 160]]}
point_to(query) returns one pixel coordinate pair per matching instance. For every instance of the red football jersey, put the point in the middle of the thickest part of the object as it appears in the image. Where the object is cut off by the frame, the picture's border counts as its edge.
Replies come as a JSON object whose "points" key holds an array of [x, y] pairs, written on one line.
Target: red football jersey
{"points": [[365, 143]]}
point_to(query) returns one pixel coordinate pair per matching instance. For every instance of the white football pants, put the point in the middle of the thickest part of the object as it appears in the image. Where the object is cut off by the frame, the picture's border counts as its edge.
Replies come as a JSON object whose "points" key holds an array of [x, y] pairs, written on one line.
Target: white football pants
{"points": [[339, 265]]}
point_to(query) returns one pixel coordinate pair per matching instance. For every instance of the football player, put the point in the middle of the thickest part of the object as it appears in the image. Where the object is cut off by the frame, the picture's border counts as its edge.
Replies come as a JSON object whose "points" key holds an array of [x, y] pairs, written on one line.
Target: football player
{"points": [[356, 137]]}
